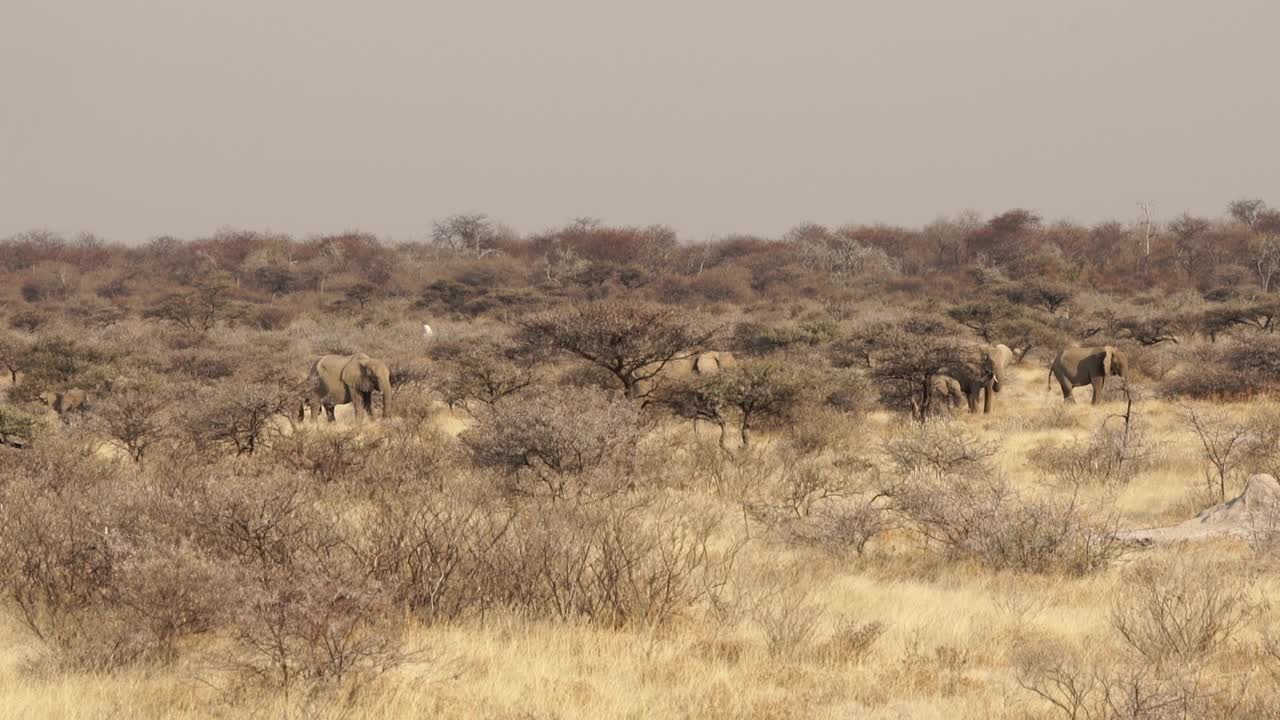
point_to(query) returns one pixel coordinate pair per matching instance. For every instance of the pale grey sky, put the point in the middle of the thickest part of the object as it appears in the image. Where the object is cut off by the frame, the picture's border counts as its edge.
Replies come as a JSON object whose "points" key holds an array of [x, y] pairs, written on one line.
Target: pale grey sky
{"points": [[133, 118]]}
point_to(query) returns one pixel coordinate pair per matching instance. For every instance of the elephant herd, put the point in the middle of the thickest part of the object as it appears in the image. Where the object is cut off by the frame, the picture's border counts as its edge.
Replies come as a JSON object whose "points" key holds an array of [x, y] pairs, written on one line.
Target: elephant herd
{"points": [[963, 383], [339, 379]]}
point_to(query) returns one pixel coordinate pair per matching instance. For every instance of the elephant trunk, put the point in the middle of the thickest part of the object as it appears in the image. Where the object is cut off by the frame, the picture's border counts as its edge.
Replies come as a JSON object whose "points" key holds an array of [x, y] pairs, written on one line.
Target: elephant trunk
{"points": [[384, 387]]}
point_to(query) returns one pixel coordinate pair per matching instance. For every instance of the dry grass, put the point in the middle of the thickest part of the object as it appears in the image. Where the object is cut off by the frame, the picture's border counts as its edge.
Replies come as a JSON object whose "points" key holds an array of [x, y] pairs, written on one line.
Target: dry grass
{"points": [[952, 634]]}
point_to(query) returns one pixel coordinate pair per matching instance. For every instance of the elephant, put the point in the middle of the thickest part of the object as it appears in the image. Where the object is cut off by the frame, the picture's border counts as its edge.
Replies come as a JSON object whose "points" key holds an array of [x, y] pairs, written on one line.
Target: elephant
{"points": [[703, 363], [982, 376], [714, 361], [1079, 366], [73, 400], [947, 389], [337, 379]]}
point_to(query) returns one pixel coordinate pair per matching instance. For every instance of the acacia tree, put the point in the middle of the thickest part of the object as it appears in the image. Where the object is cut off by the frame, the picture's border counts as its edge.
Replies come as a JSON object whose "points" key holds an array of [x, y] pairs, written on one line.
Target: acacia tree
{"points": [[485, 372], [13, 350], [1044, 295], [905, 364], [633, 341], [754, 394], [1024, 334], [198, 310], [983, 316]]}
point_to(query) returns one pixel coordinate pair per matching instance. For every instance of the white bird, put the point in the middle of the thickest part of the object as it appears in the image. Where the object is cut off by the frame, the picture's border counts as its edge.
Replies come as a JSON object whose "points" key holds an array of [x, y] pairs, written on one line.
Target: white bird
{"points": [[427, 331]]}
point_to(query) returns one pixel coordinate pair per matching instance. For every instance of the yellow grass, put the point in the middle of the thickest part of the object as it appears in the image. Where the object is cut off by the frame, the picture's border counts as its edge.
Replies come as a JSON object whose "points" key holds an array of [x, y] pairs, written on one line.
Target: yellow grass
{"points": [[952, 630]]}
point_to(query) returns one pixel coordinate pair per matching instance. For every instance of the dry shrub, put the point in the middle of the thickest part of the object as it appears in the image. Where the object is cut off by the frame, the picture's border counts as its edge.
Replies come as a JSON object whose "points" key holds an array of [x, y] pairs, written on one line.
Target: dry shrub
{"points": [[271, 317], [788, 618], [1223, 441], [134, 416], [742, 476], [625, 561], [806, 481], [326, 456], [110, 569], [1157, 362], [1180, 611], [1113, 455], [819, 490], [1079, 685], [1096, 681], [265, 519], [940, 446], [1227, 371], [634, 562], [409, 456], [484, 372], [304, 625], [848, 391], [565, 442], [435, 554], [239, 416], [984, 520], [591, 376], [850, 641], [201, 365], [94, 565], [836, 526], [760, 339], [1057, 416], [17, 428]]}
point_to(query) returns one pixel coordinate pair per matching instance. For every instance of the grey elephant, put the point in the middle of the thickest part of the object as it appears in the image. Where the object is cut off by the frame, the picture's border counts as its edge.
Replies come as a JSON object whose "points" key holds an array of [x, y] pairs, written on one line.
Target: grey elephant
{"points": [[73, 400], [703, 363], [1079, 366], [982, 376], [946, 390], [337, 379]]}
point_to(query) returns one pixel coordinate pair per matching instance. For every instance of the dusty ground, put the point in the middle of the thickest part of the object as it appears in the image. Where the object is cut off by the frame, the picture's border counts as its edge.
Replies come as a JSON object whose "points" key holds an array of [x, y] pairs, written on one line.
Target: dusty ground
{"points": [[952, 630]]}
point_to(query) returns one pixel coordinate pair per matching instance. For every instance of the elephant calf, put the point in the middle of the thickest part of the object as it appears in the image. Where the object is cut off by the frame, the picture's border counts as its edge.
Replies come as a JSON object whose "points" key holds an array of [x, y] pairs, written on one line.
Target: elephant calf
{"points": [[947, 390], [338, 379], [1080, 366]]}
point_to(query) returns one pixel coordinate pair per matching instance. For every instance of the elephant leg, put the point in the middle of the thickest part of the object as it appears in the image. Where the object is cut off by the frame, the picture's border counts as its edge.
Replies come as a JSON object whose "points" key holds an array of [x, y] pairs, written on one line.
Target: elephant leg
{"points": [[367, 399], [986, 397], [1098, 382], [357, 406], [329, 411], [1066, 391], [972, 398]]}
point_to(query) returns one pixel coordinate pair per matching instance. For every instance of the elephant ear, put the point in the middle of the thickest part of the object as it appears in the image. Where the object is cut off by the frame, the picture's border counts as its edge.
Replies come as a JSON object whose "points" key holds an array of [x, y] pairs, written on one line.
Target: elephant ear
{"points": [[1108, 352], [706, 363], [727, 360]]}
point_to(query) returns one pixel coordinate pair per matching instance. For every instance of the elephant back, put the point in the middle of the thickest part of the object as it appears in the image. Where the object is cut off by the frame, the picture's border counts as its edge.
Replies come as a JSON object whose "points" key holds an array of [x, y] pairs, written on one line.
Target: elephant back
{"points": [[706, 363], [680, 367]]}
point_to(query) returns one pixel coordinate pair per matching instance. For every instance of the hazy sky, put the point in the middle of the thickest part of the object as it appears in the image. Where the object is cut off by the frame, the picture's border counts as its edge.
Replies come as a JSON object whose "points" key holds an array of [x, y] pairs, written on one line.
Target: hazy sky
{"points": [[135, 118]]}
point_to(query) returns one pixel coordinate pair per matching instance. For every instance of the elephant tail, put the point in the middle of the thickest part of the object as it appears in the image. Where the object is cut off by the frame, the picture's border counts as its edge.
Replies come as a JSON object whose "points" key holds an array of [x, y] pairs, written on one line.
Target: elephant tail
{"points": [[1048, 381]]}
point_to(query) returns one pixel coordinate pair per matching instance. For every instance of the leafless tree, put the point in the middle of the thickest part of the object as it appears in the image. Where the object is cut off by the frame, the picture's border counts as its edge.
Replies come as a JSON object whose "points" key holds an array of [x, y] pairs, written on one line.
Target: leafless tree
{"points": [[472, 234]]}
